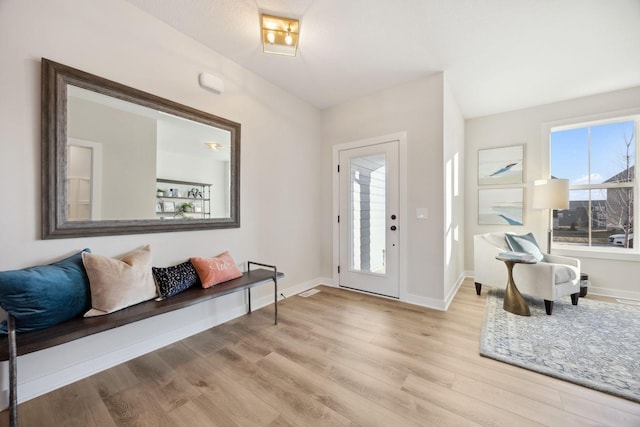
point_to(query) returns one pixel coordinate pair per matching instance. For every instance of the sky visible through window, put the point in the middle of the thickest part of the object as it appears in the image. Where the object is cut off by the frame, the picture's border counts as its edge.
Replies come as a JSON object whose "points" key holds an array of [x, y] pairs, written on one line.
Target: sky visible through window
{"points": [[592, 155]]}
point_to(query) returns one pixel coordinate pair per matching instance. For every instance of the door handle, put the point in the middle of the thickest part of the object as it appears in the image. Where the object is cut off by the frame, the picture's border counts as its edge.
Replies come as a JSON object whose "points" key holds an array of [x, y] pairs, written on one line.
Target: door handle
{"points": [[393, 228]]}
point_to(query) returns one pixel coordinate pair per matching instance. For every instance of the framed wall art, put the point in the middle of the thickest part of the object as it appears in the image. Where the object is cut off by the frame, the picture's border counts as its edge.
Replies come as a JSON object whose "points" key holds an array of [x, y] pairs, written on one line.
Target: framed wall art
{"points": [[501, 166], [168, 206], [500, 206]]}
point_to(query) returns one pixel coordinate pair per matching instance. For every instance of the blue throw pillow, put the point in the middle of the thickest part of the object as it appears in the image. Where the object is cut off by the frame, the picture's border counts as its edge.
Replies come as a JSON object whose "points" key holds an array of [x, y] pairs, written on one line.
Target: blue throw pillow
{"points": [[39, 297], [525, 243], [175, 279]]}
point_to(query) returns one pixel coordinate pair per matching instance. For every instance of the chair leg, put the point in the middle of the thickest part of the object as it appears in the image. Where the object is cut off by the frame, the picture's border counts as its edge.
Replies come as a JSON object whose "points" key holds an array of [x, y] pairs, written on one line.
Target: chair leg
{"points": [[574, 298], [478, 288], [548, 306]]}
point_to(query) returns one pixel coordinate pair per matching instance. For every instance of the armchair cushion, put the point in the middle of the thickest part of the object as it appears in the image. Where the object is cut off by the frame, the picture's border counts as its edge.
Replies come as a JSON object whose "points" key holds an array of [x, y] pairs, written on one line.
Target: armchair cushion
{"points": [[564, 274], [525, 243]]}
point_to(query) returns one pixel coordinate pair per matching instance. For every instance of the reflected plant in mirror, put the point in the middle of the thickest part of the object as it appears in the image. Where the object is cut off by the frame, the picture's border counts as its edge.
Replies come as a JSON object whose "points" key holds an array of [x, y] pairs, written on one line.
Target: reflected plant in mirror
{"points": [[113, 156]]}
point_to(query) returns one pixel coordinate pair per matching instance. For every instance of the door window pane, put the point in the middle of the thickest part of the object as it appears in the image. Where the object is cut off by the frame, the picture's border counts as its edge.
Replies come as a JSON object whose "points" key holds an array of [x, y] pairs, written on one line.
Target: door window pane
{"points": [[368, 213]]}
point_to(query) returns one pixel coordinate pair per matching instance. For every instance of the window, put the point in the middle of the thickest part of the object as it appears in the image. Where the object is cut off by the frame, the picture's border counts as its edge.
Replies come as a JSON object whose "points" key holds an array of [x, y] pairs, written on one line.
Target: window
{"points": [[599, 160]]}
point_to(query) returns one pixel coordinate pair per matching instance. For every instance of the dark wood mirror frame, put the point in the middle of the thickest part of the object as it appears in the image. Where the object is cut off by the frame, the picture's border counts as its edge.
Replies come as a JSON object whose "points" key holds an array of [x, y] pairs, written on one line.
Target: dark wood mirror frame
{"points": [[55, 79]]}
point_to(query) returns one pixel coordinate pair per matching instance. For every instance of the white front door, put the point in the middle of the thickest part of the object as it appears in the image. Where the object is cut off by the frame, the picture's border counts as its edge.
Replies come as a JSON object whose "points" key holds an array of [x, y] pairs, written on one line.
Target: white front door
{"points": [[369, 218]]}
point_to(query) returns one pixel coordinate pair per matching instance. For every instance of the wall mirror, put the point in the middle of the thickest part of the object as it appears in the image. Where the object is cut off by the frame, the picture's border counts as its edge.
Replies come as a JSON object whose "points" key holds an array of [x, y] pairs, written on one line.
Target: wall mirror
{"points": [[117, 160]]}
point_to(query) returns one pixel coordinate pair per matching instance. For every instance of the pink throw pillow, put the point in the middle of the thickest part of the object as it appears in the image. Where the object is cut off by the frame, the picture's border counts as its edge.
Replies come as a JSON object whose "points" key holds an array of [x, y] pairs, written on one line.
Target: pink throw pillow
{"points": [[215, 270]]}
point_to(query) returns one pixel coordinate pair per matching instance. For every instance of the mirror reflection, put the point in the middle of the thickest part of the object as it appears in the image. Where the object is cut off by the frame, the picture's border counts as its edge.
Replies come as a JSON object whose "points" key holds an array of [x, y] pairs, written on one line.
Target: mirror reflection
{"points": [[127, 161], [117, 160]]}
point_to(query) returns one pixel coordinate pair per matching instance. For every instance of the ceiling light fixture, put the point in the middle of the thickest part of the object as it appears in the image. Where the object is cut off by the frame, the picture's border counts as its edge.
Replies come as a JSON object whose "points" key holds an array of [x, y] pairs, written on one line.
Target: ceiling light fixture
{"points": [[280, 35], [213, 146]]}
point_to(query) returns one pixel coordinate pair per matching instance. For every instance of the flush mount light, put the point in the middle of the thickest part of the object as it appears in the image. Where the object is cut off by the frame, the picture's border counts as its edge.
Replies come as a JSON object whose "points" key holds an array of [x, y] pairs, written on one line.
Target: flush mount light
{"points": [[279, 35], [213, 146]]}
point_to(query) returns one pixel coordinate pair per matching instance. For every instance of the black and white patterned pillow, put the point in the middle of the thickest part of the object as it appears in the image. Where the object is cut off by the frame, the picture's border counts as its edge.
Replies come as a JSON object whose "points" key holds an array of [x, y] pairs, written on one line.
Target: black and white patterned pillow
{"points": [[173, 280]]}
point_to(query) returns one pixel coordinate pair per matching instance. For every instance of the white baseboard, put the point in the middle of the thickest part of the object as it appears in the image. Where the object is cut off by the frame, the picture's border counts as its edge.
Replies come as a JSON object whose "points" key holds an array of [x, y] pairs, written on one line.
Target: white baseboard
{"points": [[290, 291], [47, 370], [613, 293], [327, 281], [409, 298], [126, 344], [30, 389], [436, 303], [426, 302], [454, 289]]}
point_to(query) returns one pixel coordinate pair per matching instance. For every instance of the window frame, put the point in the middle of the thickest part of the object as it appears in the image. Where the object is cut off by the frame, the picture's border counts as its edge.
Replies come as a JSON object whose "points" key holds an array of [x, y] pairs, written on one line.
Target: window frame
{"points": [[590, 121]]}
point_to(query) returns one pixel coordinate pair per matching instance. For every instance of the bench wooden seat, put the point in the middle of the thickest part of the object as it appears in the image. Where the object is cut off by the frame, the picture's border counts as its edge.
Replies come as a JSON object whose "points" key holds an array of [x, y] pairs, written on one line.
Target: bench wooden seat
{"points": [[29, 342]]}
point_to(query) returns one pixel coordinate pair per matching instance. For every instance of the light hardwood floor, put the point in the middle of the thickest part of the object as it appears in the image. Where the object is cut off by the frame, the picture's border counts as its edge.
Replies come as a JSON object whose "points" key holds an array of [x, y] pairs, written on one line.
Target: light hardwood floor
{"points": [[336, 358]]}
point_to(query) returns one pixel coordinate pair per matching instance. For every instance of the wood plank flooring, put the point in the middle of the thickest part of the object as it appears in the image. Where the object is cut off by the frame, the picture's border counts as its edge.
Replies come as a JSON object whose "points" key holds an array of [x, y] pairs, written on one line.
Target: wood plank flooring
{"points": [[337, 358]]}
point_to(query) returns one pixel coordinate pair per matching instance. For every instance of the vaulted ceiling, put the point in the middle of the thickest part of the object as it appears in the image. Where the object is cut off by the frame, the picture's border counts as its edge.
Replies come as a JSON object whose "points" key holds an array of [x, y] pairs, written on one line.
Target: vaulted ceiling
{"points": [[497, 55]]}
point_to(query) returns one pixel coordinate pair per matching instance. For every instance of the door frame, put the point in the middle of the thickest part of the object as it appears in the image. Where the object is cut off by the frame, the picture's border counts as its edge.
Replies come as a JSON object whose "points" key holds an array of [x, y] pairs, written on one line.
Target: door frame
{"points": [[401, 137], [96, 173]]}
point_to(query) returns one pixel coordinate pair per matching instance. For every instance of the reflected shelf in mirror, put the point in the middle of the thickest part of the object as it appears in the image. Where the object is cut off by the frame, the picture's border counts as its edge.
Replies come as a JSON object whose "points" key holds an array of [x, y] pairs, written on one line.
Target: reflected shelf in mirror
{"points": [[188, 200]]}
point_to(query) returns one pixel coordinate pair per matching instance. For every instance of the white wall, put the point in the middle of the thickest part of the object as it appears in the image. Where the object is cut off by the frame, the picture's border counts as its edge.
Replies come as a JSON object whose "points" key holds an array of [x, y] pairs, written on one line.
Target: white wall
{"points": [[416, 108], [454, 212], [608, 276], [280, 209], [128, 152]]}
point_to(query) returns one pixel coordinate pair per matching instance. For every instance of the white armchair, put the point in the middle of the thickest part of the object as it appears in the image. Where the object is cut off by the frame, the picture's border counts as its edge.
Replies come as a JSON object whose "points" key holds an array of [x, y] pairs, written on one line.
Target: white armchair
{"points": [[554, 277]]}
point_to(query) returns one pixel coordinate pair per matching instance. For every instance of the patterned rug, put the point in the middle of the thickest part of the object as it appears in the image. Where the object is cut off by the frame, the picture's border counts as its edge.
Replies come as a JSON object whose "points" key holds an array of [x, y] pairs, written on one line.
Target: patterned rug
{"points": [[595, 344]]}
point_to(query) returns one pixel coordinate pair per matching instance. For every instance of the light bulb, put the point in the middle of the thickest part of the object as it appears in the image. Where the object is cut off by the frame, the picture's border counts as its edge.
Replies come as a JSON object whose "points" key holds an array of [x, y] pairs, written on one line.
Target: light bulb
{"points": [[288, 39], [271, 37]]}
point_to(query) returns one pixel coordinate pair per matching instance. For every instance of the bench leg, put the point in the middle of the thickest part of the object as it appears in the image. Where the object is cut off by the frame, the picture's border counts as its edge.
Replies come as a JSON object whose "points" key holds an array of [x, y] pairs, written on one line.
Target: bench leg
{"points": [[249, 298], [275, 287], [275, 297], [13, 372]]}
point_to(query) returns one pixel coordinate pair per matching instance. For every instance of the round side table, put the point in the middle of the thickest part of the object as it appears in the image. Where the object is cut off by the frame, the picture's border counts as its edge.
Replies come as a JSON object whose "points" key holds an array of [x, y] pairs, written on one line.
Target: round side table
{"points": [[513, 301]]}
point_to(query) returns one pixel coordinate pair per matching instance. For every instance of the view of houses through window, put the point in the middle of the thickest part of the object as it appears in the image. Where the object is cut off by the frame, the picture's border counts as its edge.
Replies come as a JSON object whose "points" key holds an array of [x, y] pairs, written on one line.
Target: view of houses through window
{"points": [[599, 160]]}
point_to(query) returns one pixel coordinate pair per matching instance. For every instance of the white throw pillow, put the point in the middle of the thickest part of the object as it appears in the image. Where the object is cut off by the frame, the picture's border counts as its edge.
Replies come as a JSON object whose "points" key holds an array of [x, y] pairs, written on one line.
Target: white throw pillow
{"points": [[119, 283]]}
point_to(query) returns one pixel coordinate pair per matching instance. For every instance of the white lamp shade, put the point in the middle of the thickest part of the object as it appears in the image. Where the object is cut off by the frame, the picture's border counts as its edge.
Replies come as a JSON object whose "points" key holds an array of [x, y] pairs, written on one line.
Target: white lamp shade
{"points": [[551, 194]]}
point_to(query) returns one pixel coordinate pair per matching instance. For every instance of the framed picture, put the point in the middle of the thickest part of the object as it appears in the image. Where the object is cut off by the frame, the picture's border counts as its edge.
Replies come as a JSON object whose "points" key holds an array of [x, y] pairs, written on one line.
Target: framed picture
{"points": [[500, 206], [501, 166], [168, 206], [158, 206]]}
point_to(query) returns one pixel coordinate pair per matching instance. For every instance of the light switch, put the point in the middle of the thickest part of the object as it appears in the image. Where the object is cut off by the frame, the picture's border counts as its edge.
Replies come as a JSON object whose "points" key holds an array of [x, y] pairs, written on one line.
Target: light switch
{"points": [[422, 213]]}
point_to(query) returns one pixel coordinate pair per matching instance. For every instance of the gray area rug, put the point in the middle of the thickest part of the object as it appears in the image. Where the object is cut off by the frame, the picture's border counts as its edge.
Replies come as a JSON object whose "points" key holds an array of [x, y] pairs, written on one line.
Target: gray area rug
{"points": [[595, 344]]}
